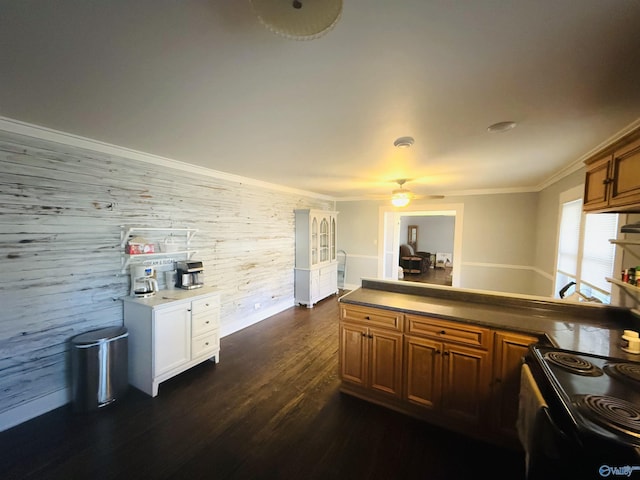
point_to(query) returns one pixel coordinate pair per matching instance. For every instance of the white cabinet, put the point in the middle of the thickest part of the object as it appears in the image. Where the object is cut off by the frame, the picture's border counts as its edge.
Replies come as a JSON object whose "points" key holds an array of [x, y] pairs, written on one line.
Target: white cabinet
{"points": [[167, 337], [316, 270], [172, 331]]}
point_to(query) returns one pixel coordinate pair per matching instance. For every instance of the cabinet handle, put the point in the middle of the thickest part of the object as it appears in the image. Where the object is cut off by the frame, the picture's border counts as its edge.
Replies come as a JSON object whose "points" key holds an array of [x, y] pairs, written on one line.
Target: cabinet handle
{"points": [[367, 317], [445, 353], [370, 336], [363, 334], [438, 352], [206, 343], [443, 332], [188, 309], [207, 322], [606, 181]]}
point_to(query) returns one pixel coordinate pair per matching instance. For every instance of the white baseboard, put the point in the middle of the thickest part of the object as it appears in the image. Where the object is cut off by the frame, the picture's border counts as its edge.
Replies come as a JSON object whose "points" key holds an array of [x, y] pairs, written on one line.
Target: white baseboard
{"points": [[239, 324], [27, 411]]}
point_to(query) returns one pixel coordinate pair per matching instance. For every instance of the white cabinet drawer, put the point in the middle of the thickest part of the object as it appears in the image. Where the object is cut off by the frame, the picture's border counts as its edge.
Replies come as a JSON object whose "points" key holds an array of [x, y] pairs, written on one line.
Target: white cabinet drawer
{"points": [[203, 323], [205, 344], [207, 304]]}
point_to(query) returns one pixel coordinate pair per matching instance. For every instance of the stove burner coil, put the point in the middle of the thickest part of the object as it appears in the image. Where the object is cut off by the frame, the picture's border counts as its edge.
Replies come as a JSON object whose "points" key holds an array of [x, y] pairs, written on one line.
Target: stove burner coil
{"points": [[610, 412], [573, 363], [623, 371]]}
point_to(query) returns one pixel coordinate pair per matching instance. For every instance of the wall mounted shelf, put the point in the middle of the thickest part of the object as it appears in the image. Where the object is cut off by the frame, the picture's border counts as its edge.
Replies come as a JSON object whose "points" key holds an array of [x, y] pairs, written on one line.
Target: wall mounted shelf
{"points": [[156, 258]]}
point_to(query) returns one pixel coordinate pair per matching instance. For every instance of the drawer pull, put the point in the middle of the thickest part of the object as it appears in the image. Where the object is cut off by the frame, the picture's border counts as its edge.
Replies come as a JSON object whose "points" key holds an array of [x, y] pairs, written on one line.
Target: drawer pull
{"points": [[206, 304], [367, 317], [443, 332], [206, 343], [207, 322]]}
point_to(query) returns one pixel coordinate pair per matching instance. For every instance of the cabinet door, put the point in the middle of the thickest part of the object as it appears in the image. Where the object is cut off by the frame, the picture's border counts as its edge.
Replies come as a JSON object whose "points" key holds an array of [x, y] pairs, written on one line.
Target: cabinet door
{"points": [[385, 361], [324, 239], [510, 348], [596, 184], [465, 383], [171, 338], [423, 371], [625, 187], [353, 354]]}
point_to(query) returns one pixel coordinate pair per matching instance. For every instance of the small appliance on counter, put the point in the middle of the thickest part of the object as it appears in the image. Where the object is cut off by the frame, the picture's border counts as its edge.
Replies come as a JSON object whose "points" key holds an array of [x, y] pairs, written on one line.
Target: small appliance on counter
{"points": [[189, 275], [143, 281]]}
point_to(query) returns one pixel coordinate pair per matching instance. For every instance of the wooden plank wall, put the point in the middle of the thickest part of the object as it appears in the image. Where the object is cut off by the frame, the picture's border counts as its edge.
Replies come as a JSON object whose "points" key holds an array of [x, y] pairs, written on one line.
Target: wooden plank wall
{"points": [[61, 208]]}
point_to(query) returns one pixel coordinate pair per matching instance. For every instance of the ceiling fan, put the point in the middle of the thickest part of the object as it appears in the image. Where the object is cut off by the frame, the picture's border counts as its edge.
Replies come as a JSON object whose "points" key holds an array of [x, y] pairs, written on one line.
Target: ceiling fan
{"points": [[400, 197]]}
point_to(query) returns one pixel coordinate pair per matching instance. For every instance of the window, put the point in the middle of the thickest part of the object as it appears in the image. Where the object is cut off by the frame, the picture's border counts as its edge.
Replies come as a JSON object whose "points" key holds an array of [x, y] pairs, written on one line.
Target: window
{"points": [[585, 255]]}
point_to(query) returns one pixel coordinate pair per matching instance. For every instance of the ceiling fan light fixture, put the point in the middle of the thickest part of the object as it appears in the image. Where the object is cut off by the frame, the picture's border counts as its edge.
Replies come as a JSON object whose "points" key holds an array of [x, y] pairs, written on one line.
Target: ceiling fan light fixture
{"points": [[501, 127], [400, 197], [403, 142], [298, 19]]}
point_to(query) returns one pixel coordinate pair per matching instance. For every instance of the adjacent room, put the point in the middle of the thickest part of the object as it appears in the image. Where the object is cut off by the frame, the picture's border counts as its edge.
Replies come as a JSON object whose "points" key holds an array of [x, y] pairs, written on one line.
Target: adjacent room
{"points": [[286, 239]]}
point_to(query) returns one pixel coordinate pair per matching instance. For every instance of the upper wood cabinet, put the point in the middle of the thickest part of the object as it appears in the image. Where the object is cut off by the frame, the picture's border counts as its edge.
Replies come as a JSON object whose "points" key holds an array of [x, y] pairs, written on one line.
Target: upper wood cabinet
{"points": [[612, 182]]}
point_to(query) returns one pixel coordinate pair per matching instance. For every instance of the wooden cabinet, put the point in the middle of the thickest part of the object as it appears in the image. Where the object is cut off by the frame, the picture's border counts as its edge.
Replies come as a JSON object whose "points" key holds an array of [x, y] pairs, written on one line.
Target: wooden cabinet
{"points": [[448, 368], [612, 181], [166, 339], [316, 268], [509, 350], [371, 349], [457, 375]]}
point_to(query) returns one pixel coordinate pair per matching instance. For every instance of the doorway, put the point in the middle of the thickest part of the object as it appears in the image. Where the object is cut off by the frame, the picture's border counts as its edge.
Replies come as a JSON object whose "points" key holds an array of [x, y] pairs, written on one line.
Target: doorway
{"points": [[389, 234]]}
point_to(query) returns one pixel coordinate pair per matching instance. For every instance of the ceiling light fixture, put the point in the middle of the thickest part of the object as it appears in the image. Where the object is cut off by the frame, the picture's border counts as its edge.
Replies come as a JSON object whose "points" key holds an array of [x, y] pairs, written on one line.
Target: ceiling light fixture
{"points": [[501, 127], [403, 142], [400, 197], [298, 19]]}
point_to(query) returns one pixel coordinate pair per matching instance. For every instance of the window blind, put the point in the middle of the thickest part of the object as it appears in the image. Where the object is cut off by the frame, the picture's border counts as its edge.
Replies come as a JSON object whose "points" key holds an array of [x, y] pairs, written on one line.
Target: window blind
{"points": [[569, 237], [598, 253]]}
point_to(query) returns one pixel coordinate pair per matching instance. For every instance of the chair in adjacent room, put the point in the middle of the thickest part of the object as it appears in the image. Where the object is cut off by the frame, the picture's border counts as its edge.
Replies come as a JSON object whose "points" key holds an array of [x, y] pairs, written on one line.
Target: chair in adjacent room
{"points": [[413, 262]]}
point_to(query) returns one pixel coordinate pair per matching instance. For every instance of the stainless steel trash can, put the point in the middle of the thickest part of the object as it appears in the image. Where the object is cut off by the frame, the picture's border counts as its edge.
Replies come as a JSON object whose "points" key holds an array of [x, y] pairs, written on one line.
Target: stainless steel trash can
{"points": [[99, 366]]}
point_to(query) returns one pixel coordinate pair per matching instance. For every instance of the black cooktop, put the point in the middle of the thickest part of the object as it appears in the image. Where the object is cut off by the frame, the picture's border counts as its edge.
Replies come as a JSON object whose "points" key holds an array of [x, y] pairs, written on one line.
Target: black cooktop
{"points": [[601, 394]]}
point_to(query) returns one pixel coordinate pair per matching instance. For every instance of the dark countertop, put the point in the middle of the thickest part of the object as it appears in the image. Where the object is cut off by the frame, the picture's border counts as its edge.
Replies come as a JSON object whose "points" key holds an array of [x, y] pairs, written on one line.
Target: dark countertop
{"points": [[588, 328]]}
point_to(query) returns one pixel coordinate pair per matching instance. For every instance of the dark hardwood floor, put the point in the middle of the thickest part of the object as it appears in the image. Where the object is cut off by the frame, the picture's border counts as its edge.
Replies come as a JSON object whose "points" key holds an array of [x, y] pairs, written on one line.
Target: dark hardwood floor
{"points": [[271, 409]]}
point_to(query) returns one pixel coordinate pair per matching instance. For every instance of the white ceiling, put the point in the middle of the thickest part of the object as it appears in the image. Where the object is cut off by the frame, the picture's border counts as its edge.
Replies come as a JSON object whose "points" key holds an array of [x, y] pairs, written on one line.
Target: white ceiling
{"points": [[204, 82]]}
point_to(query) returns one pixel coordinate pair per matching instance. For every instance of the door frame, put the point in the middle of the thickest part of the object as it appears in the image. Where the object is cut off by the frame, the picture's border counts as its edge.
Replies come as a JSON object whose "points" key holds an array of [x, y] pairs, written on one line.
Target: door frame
{"points": [[389, 235]]}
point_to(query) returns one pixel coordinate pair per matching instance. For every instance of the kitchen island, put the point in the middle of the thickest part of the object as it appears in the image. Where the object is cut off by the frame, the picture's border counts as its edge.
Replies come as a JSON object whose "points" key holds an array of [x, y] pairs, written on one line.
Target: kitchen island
{"points": [[453, 356]]}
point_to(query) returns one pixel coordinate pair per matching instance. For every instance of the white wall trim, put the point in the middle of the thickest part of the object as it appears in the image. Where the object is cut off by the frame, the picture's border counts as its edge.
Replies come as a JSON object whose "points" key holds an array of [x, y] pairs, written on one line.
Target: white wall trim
{"points": [[509, 266], [247, 321], [39, 406], [44, 133]]}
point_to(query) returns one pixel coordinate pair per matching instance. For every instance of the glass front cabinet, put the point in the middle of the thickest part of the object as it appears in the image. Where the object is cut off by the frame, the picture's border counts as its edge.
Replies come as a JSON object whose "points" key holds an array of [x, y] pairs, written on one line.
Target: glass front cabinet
{"points": [[316, 270]]}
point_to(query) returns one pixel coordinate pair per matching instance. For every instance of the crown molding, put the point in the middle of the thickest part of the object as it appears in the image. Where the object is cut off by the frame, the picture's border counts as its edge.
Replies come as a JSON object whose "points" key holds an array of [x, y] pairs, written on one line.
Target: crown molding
{"points": [[43, 133]]}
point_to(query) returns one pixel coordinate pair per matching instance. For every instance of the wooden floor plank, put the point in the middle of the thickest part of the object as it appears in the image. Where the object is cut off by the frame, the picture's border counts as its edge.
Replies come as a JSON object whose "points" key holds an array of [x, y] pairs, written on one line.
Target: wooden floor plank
{"points": [[271, 409]]}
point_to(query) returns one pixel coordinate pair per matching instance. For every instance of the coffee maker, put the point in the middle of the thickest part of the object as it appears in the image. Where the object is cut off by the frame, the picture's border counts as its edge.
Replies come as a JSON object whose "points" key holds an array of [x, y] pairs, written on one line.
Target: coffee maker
{"points": [[143, 281], [189, 275]]}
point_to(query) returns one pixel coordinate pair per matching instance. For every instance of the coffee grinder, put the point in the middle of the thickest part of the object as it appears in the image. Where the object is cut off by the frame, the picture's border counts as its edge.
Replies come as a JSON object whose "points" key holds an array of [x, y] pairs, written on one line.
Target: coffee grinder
{"points": [[189, 275], [143, 281]]}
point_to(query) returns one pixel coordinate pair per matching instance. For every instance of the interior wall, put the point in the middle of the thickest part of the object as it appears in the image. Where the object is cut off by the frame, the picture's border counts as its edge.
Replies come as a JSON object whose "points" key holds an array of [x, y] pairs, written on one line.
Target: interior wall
{"points": [[435, 232], [498, 239], [61, 208]]}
